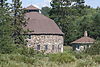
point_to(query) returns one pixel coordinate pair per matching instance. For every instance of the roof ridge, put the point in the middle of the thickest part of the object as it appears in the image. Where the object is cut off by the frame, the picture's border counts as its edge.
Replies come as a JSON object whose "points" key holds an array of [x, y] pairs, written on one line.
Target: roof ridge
{"points": [[31, 7], [84, 40]]}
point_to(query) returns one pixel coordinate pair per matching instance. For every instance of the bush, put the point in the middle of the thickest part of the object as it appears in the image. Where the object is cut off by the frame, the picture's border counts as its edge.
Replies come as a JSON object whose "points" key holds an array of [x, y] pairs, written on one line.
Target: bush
{"points": [[94, 49], [7, 61], [87, 62], [24, 50], [7, 48], [62, 58], [5, 58], [96, 59], [80, 55]]}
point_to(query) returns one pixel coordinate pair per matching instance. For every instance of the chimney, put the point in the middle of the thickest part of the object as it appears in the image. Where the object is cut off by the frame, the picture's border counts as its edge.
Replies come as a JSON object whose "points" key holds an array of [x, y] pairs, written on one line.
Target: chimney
{"points": [[85, 34]]}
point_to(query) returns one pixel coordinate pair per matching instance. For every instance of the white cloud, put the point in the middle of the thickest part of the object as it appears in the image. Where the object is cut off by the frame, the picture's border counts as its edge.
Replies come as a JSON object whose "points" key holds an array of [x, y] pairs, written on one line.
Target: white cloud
{"points": [[49, 0], [37, 3], [43, 3]]}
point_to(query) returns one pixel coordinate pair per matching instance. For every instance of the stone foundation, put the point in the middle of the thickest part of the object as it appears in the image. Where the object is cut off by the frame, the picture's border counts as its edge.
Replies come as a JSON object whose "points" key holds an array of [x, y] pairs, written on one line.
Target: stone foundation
{"points": [[47, 43]]}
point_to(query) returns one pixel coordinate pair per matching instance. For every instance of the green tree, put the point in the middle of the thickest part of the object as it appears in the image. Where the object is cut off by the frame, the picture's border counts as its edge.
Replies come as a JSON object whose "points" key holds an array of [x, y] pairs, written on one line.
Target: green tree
{"points": [[45, 11], [18, 22], [65, 15], [5, 30], [91, 23], [96, 26], [1, 3], [94, 49]]}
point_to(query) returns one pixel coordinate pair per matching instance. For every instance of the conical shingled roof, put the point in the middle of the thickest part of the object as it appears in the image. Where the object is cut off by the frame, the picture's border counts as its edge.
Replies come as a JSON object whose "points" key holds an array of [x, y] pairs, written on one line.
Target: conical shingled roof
{"points": [[84, 39], [40, 24], [31, 7]]}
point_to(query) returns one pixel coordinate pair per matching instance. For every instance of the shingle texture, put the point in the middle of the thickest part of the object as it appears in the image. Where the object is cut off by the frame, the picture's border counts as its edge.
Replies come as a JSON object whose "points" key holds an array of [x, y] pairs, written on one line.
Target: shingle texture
{"points": [[31, 7], [84, 40], [40, 24]]}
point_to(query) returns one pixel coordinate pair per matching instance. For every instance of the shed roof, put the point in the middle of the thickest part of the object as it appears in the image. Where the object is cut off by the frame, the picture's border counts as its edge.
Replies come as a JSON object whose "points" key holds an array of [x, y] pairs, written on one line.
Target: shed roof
{"points": [[40, 24], [84, 39]]}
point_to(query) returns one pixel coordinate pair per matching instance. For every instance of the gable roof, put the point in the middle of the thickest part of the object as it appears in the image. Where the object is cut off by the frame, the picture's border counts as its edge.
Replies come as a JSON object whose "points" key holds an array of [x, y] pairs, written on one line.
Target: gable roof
{"points": [[40, 24], [84, 39], [31, 7]]}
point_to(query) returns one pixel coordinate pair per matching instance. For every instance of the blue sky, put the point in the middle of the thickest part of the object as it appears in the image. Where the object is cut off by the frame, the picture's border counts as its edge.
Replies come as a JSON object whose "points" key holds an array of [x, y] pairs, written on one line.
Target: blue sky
{"points": [[93, 3], [42, 3]]}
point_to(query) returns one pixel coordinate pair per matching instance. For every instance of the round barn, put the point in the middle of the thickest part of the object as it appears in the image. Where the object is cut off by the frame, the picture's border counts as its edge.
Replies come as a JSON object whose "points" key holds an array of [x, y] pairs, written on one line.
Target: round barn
{"points": [[44, 34]]}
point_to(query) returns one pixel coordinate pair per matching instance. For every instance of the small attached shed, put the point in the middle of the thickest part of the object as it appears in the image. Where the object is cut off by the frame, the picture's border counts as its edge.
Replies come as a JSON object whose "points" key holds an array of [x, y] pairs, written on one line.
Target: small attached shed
{"points": [[82, 43]]}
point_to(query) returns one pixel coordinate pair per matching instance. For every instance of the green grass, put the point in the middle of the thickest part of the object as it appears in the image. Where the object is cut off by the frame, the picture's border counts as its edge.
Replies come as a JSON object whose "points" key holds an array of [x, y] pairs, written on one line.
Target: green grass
{"points": [[66, 59]]}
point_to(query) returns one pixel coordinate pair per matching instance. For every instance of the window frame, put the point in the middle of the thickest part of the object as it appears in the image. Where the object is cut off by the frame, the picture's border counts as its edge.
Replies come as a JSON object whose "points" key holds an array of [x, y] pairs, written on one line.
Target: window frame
{"points": [[53, 47], [59, 48], [38, 47], [46, 47], [29, 36]]}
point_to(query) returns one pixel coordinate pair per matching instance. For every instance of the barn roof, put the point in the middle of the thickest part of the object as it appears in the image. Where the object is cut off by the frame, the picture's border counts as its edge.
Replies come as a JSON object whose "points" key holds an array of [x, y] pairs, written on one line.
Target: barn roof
{"points": [[40, 24], [84, 39]]}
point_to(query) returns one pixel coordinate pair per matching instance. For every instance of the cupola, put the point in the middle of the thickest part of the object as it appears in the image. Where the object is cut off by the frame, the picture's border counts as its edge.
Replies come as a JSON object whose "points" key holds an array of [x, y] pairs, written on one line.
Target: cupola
{"points": [[31, 8]]}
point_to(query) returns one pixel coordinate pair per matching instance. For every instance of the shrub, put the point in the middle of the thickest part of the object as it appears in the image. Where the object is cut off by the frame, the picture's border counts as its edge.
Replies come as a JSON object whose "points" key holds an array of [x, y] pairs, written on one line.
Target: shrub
{"points": [[96, 59], [80, 55], [23, 50], [5, 58], [94, 49], [62, 58], [7, 48], [87, 62]]}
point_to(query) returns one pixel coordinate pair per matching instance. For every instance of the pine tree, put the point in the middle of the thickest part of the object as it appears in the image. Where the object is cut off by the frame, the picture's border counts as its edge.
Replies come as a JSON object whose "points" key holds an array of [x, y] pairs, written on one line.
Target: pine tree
{"points": [[64, 14], [18, 22], [45, 11], [1, 3], [95, 28], [5, 29]]}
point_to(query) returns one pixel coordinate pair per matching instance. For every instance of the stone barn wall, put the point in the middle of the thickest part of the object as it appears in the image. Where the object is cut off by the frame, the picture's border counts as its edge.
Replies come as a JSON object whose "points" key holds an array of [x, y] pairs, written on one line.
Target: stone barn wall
{"points": [[47, 43]]}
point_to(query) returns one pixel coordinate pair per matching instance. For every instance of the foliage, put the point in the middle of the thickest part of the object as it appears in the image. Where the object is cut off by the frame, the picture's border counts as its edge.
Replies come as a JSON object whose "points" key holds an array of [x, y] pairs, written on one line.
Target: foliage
{"points": [[26, 59], [86, 63], [62, 58], [94, 49], [6, 42], [74, 19], [51, 60], [8, 28], [45, 11], [80, 55], [18, 21], [17, 58], [68, 49], [96, 26], [96, 59]]}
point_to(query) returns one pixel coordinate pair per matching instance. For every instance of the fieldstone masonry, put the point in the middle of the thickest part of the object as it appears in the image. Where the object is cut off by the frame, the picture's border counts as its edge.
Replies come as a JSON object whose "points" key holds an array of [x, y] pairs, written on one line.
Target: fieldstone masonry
{"points": [[47, 43]]}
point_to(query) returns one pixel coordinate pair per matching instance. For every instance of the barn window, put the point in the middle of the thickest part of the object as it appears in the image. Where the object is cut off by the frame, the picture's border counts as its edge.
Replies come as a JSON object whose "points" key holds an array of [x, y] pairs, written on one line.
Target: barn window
{"points": [[46, 47], [32, 11], [77, 46], [38, 47], [29, 45], [52, 47], [59, 47], [29, 36]]}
